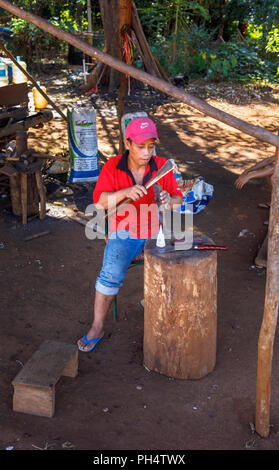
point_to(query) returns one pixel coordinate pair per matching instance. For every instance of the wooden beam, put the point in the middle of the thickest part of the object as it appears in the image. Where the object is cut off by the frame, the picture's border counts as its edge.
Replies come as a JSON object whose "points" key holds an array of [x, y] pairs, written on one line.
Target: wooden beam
{"points": [[24, 124], [250, 129], [11, 95]]}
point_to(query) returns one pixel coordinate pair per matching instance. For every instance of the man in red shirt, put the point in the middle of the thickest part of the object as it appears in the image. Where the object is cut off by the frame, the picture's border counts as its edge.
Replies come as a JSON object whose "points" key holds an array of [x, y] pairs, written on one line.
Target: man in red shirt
{"points": [[124, 177]]}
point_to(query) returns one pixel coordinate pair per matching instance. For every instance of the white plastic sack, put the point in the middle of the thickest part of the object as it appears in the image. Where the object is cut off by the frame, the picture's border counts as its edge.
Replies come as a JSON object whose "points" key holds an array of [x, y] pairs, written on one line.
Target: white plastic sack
{"points": [[195, 200], [82, 135]]}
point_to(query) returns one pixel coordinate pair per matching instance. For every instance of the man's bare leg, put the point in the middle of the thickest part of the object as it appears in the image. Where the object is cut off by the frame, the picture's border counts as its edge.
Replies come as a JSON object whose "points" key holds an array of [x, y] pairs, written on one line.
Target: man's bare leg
{"points": [[101, 306]]}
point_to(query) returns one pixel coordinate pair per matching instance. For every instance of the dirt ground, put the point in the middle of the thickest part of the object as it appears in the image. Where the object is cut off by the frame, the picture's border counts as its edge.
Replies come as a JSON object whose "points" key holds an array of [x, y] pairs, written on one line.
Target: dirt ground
{"points": [[47, 290]]}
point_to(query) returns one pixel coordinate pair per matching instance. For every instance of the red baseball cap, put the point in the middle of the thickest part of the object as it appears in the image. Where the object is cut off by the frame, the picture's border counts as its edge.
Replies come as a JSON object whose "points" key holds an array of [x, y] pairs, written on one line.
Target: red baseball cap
{"points": [[141, 129]]}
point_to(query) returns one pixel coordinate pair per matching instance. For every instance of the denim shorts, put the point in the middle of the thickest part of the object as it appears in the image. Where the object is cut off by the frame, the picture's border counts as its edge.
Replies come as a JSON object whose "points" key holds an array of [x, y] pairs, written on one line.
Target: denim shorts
{"points": [[120, 251]]}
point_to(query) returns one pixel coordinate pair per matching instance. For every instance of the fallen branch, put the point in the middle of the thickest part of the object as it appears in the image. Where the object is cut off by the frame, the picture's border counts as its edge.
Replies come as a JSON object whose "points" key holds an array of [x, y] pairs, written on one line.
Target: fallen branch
{"points": [[37, 235]]}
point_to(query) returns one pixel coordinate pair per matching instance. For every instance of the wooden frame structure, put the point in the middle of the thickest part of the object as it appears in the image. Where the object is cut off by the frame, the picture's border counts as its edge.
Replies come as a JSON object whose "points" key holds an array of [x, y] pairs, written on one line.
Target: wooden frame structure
{"points": [[268, 327]]}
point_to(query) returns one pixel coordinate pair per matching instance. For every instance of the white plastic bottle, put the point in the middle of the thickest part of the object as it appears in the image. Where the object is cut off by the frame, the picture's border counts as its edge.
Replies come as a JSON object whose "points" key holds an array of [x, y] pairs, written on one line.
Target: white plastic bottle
{"points": [[18, 75], [9, 64], [4, 80]]}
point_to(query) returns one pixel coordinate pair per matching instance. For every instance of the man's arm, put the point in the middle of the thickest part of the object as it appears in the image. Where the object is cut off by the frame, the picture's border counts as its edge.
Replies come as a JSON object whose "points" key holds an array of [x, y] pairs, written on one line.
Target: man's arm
{"points": [[258, 166], [244, 178], [109, 200]]}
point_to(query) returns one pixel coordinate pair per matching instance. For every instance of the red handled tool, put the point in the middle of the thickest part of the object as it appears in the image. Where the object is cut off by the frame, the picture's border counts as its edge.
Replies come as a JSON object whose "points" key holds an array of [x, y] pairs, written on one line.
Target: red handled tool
{"points": [[199, 246]]}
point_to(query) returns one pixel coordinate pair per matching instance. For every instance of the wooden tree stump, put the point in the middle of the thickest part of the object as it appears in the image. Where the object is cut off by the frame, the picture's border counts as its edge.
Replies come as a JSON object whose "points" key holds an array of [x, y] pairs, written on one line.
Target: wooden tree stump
{"points": [[180, 311]]}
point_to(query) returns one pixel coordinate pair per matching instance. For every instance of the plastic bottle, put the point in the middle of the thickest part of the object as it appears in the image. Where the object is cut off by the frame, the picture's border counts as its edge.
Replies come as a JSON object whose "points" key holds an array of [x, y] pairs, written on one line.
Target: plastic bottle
{"points": [[4, 80], [18, 75], [9, 64], [39, 101], [161, 238]]}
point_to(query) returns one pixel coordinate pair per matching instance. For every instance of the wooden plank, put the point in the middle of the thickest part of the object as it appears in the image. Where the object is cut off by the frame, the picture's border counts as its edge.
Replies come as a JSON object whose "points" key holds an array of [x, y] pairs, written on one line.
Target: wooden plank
{"points": [[34, 385], [8, 170], [14, 94], [34, 400], [47, 364]]}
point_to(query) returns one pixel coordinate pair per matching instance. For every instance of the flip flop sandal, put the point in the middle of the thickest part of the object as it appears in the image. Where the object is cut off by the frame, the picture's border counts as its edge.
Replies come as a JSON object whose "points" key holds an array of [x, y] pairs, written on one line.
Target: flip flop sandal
{"points": [[88, 341], [264, 205]]}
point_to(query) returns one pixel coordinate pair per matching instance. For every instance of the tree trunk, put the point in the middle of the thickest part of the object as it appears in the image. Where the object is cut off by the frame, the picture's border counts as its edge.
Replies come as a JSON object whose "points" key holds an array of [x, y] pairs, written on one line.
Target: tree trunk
{"points": [[221, 21], [243, 28], [115, 15]]}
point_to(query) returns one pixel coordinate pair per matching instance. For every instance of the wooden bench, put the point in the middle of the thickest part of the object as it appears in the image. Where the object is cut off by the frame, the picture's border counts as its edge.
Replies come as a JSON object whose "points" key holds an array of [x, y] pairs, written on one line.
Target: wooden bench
{"points": [[34, 385]]}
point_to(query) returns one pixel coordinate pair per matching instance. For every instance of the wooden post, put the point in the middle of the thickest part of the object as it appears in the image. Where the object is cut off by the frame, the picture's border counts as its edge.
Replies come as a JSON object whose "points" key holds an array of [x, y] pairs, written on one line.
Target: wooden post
{"points": [[269, 322], [24, 189], [42, 194], [162, 85], [25, 186], [15, 194]]}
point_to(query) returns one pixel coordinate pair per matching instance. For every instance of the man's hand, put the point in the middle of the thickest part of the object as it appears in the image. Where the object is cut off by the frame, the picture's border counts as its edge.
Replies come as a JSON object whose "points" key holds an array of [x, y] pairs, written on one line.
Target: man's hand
{"points": [[241, 181], [136, 192], [165, 199], [168, 202]]}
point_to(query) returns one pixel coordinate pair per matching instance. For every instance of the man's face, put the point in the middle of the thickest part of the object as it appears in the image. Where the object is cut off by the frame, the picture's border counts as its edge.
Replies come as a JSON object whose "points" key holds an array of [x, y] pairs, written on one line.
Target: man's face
{"points": [[140, 154]]}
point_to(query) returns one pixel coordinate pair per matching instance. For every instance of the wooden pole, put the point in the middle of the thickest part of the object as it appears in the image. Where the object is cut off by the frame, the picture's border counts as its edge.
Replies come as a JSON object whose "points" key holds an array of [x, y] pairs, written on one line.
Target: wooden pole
{"points": [[168, 88], [269, 322], [27, 74], [143, 47], [89, 18]]}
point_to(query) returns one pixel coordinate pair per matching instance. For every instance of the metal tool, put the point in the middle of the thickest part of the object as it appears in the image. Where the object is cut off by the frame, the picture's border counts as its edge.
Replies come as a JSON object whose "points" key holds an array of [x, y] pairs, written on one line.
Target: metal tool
{"points": [[161, 243], [195, 246]]}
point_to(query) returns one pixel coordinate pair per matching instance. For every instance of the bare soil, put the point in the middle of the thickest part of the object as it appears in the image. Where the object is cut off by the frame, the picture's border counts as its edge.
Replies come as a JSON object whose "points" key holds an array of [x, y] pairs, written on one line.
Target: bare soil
{"points": [[47, 290]]}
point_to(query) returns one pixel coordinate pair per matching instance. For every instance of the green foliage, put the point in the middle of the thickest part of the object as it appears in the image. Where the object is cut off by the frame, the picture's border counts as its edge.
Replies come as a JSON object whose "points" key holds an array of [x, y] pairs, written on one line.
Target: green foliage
{"points": [[31, 42], [199, 54], [182, 34]]}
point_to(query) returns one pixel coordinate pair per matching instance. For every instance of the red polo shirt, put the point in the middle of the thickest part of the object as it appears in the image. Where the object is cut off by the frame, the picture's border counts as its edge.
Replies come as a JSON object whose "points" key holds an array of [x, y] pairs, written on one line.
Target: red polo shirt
{"points": [[141, 216]]}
